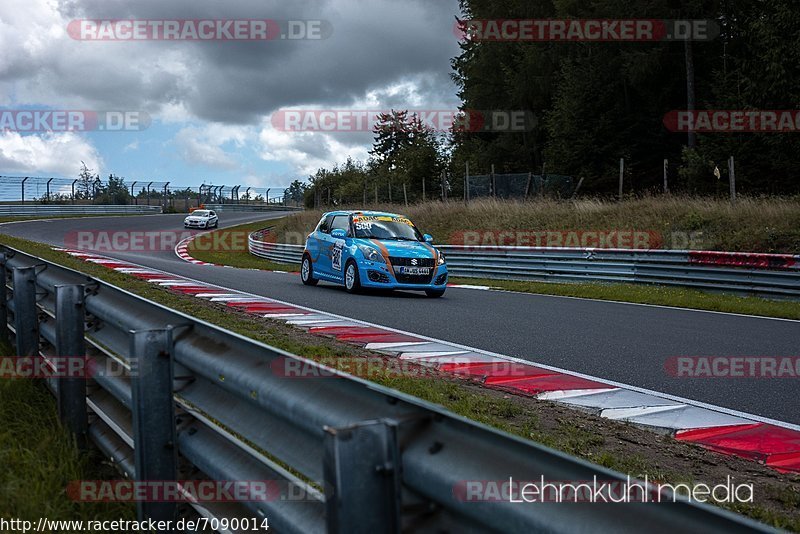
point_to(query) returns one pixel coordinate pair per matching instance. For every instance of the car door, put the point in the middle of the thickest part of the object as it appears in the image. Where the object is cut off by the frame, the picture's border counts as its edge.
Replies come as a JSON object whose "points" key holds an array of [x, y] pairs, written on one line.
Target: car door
{"points": [[212, 218], [340, 222], [322, 242]]}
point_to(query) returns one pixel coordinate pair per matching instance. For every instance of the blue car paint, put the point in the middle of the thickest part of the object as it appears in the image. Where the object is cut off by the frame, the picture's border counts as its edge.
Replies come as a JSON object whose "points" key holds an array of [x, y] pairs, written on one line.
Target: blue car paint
{"points": [[330, 256]]}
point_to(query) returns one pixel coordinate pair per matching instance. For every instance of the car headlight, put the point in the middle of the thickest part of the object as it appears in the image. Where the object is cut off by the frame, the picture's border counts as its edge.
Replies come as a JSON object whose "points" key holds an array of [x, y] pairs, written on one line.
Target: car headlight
{"points": [[371, 254], [441, 259]]}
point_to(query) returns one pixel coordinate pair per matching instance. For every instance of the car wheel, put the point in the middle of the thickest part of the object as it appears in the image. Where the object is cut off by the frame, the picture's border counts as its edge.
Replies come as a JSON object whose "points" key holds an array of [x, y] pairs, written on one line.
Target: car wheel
{"points": [[352, 283], [216, 224], [307, 272], [434, 293]]}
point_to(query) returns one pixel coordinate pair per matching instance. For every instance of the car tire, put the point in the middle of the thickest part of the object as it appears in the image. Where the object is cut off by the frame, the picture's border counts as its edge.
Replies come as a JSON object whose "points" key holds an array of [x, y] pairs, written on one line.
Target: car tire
{"points": [[434, 293], [307, 272], [216, 224], [352, 282]]}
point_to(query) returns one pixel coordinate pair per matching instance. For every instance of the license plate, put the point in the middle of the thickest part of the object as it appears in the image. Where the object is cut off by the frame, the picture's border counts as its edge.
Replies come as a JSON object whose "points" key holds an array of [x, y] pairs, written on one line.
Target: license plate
{"points": [[415, 270]]}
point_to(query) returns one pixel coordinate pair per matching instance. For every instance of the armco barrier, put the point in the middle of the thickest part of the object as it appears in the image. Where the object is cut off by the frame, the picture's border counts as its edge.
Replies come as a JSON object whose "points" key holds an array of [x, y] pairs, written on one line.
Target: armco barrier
{"points": [[366, 458], [250, 207], [775, 276], [52, 210]]}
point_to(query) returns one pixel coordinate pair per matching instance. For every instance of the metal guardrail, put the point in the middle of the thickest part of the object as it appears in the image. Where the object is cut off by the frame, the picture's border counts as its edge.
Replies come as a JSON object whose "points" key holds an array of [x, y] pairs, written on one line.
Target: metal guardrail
{"points": [[366, 458], [36, 210], [665, 267], [251, 207]]}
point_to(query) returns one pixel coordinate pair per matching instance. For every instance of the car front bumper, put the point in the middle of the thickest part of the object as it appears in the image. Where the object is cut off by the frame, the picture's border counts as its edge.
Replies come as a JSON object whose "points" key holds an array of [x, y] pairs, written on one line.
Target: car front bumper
{"points": [[440, 275]]}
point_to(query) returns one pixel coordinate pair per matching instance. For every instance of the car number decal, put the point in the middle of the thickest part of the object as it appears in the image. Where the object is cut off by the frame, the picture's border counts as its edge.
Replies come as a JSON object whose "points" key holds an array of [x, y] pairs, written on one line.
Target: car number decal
{"points": [[336, 255]]}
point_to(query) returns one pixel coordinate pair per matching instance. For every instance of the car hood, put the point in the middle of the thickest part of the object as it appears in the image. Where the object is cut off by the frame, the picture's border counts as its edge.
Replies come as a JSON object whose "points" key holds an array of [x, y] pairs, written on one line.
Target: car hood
{"points": [[403, 249]]}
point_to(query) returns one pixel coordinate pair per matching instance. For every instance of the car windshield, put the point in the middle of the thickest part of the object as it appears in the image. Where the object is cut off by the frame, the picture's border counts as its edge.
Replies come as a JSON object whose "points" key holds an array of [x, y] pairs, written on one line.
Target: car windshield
{"points": [[386, 228], [200, 214]]}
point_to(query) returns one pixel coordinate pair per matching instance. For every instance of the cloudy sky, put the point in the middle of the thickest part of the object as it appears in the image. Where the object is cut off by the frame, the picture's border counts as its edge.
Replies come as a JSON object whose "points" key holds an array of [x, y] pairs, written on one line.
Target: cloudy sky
{"points": [[211, 102]]}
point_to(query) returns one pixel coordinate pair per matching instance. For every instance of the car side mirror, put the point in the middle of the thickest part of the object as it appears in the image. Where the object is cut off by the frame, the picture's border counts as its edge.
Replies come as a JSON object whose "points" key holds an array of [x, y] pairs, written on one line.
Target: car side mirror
{"points": [[428, 238], [339, 233]]}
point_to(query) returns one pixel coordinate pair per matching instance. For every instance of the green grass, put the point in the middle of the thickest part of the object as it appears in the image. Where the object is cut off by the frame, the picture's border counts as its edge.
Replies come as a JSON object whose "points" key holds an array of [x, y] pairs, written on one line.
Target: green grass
{"points": [[39, 458], [647, 294], [228, 246], [614, 445]]}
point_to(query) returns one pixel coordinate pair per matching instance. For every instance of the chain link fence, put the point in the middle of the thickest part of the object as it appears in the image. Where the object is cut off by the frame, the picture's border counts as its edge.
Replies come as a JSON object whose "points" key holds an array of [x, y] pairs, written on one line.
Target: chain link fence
{"points": [[119, 191], [518, 186]]}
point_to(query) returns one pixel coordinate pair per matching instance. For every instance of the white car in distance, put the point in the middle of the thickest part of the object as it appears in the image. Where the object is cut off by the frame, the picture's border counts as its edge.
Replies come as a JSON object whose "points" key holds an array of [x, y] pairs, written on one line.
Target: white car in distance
{"points": [[201, 219]]}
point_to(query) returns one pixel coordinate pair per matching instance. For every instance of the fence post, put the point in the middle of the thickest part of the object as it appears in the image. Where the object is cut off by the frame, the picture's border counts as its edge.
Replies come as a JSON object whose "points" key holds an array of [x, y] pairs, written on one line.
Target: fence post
{"points": [[26, 324], [732, 177], [3, 300], [73, 190], [528, 185], [577, 187], [666, 171], [70, 344], [544, 178], [621, 174], [493, 184], [361, 468], [405, 194], [23, 189], [376, 194], [154, 433], [423, 189], [466, 183]]}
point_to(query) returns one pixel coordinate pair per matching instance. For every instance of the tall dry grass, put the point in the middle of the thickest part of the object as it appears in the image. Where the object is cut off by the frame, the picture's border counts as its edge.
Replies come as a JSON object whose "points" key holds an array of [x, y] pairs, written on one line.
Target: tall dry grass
{"points": [[751, 225]]}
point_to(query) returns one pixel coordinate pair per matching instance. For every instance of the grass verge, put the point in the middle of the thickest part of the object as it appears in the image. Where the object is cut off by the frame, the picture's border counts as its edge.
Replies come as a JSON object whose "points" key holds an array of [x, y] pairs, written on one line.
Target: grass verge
{"points": [[228, 246], [39, 459], [615, 445], [769, 224]]}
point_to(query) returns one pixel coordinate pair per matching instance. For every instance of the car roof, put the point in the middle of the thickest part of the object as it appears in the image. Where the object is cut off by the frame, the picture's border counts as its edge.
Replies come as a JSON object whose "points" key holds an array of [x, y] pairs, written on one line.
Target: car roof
{"points": [[363, 212]]}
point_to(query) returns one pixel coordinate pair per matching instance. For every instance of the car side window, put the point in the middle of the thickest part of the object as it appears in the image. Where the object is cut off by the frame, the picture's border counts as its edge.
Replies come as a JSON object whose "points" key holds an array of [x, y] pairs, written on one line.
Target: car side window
{"points": [[212, 214], [341, 222], [325, 224]]}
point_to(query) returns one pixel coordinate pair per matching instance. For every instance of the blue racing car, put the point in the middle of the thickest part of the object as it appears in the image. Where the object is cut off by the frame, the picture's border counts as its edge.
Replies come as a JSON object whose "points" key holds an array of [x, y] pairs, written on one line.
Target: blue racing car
{"points": [[369, 249]]}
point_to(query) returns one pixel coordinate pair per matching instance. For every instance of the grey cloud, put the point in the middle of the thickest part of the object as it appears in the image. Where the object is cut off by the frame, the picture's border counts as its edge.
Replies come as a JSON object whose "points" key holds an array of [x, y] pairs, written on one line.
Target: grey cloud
{"points": [[374, 43]]}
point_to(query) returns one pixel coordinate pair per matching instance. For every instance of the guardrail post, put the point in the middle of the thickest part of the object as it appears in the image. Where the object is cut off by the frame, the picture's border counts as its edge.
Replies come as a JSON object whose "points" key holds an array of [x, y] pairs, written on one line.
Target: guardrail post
{"points": [[25, 320], [154, 433], [3, 300], [362, 468], [70, 344]]}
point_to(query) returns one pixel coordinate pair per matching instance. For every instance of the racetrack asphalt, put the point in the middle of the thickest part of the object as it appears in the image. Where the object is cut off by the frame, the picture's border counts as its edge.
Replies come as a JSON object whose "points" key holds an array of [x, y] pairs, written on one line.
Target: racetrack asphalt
{"points": [[621, 342]]}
